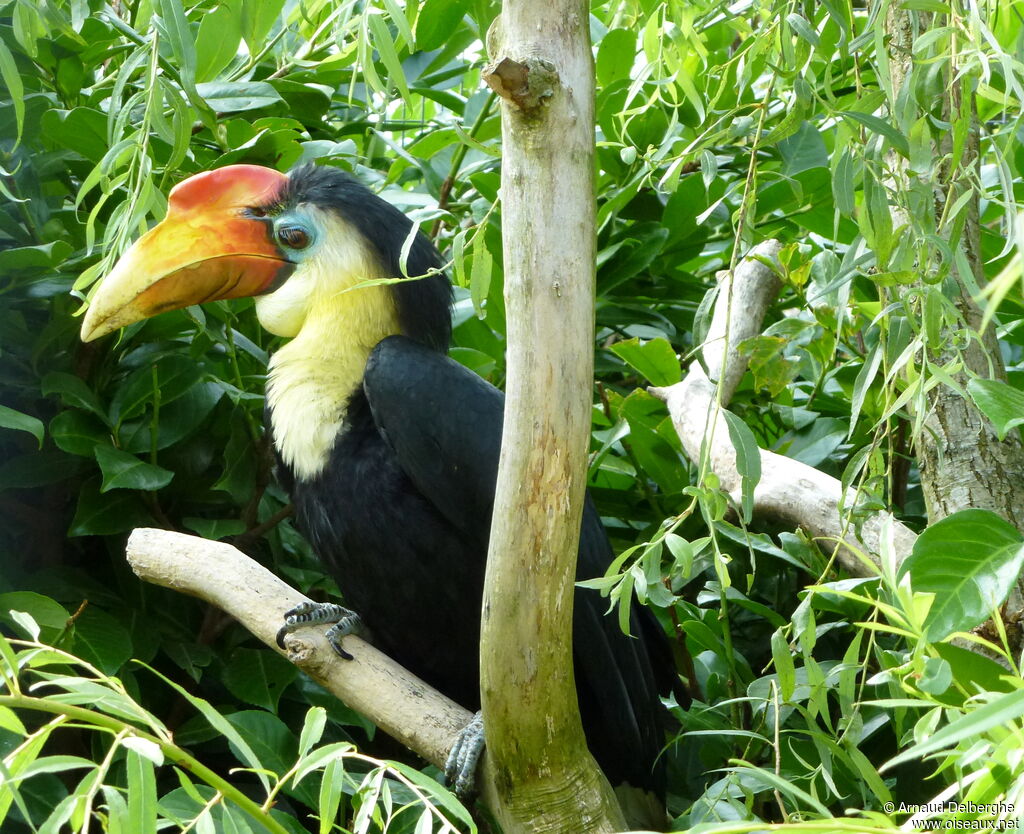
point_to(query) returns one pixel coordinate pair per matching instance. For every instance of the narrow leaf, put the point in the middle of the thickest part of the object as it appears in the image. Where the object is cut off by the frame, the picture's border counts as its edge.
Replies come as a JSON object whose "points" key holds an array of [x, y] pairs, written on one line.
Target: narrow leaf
{"points": [[12, 81], [11, 419], [1001, 403], [1002, 711]]}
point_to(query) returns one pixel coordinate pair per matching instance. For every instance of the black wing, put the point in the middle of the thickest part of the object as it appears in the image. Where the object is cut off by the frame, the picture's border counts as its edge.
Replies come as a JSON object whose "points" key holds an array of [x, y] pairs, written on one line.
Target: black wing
{"points": [[444, 424]]}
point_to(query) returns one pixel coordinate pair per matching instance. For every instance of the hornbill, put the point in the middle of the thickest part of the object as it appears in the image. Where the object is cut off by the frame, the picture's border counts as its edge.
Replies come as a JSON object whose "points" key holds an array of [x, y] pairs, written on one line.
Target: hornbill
{"points": [[388, 448]]}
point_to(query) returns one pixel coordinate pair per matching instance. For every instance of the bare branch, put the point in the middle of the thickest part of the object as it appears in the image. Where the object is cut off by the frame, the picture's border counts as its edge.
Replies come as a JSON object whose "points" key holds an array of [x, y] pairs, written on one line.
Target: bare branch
{"points": [[789, 492], [743, 299], [398, 702]]}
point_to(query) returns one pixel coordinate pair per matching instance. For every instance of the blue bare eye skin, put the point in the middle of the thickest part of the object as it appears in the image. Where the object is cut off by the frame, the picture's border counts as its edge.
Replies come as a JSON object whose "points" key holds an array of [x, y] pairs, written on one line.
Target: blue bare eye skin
{"points": [[294, 232], [293, 236]]}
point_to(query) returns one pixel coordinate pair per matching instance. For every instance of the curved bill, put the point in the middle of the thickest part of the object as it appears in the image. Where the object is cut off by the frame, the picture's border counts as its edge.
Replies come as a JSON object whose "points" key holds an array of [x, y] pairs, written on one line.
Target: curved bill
{"points": [[211, 245]]}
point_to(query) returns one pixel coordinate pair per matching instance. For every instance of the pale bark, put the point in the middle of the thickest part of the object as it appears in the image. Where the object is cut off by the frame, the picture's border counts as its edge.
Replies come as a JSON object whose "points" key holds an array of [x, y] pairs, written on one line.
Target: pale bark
{"points": [[546, 779], [371, 683], [789, 492]]}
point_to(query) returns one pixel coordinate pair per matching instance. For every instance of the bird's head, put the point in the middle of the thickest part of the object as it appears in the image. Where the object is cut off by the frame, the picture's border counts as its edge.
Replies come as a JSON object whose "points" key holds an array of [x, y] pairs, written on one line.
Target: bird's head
{"points": [[291, 240]]}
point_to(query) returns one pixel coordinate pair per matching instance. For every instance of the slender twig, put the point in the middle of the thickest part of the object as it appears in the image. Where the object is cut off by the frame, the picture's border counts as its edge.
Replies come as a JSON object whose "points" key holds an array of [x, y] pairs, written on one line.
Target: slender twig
{"points": [[457, 158], [263, 527], [173, 753]]}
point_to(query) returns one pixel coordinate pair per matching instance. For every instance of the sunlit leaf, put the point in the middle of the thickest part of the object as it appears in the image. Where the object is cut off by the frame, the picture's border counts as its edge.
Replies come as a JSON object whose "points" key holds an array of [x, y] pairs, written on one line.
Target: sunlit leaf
{"points": [[970, 561]]}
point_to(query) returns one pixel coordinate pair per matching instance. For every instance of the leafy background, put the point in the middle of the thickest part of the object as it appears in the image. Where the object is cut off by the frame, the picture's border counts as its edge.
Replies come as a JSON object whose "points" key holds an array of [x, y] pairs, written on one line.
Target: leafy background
{"points": [[715, 130]]}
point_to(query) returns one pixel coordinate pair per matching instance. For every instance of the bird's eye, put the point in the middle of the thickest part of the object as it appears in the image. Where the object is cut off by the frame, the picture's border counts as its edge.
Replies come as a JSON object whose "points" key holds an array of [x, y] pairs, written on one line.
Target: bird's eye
{"points": [[256, 211], [294, 237]]}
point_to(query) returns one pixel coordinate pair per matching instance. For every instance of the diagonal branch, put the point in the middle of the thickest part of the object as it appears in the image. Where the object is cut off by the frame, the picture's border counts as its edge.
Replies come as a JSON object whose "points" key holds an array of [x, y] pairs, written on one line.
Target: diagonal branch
{"points": [[373, 684], [789, 492]]}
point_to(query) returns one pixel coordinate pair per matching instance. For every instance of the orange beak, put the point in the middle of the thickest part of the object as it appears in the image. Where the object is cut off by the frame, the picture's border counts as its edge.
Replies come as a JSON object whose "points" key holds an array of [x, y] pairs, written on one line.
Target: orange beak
{"points": [[208, 247]]}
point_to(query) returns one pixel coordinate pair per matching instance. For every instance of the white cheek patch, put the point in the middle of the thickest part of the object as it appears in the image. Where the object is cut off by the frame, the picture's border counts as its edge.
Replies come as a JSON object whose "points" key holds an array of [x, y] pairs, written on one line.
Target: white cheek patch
{"points": [[284, 311]]}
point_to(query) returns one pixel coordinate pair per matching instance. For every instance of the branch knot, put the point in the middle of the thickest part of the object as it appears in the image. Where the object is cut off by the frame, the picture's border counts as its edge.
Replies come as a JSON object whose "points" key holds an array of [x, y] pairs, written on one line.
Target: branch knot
{"points": [[524, 84]]}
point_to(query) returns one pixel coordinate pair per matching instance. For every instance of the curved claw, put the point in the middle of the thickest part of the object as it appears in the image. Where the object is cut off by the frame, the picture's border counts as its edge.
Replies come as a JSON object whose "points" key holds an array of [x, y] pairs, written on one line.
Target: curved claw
{"points": [[460, 768], [345, 621], [281, 632]]}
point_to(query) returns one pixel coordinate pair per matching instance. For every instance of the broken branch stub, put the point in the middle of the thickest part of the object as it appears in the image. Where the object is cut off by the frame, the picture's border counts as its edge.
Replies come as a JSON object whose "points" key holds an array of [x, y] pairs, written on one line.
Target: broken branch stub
{"points": [[524, 84]]}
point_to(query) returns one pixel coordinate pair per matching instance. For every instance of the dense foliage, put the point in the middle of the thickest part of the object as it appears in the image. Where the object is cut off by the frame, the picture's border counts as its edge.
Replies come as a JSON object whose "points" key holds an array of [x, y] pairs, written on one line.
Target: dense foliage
{"points": [[716, 129]]}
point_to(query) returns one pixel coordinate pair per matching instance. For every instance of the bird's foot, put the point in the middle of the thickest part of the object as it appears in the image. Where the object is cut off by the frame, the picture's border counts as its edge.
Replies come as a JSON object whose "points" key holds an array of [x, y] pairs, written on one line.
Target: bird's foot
{"points": [[460, 769], [345, 621]]}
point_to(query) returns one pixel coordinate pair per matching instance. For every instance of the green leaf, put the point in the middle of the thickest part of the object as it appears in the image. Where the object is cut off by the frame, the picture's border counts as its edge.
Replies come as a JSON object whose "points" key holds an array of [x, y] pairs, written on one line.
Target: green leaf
{"points": [[105, 515], [43, 256], [78, 432], [436, 21], [215, 529], [177, 420], [708, 167], [15, 88], [49, 614], [784, 667], [438, 794], [803, 151], [803, 28], [102, 640], [141, 793], [385, 46], [748, 459], [970, 561], [480, 274], [217, 42], [223, 726], [73, 391], [37, 469], [842, 184], [655, 360], [312, 729], [937, 677], [257, 20], [882, 127], [787, 126], [1000, 402], [11, 419], [397, 16], [813, 445], [122, 470], [615, 56], [237, 96], [270, 738], [175, 29], [12, 765], [996, 713], [921, 148], [753, 775], [973, 671], [682, 552], [258, 677], [169, 378], [9, 721], [773, 370], [118, 821], [82, 130], [330, 795]]}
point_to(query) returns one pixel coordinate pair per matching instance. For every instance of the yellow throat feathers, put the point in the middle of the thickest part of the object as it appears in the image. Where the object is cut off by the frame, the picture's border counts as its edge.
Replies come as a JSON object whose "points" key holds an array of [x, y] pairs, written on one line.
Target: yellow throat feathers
{"points": [[334, 324]]}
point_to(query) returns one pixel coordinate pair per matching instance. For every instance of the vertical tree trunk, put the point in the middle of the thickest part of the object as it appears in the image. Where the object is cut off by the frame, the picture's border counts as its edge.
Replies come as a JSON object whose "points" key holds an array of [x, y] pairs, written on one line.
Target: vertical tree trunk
{"points": [[963, 462], [545, 778]]}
